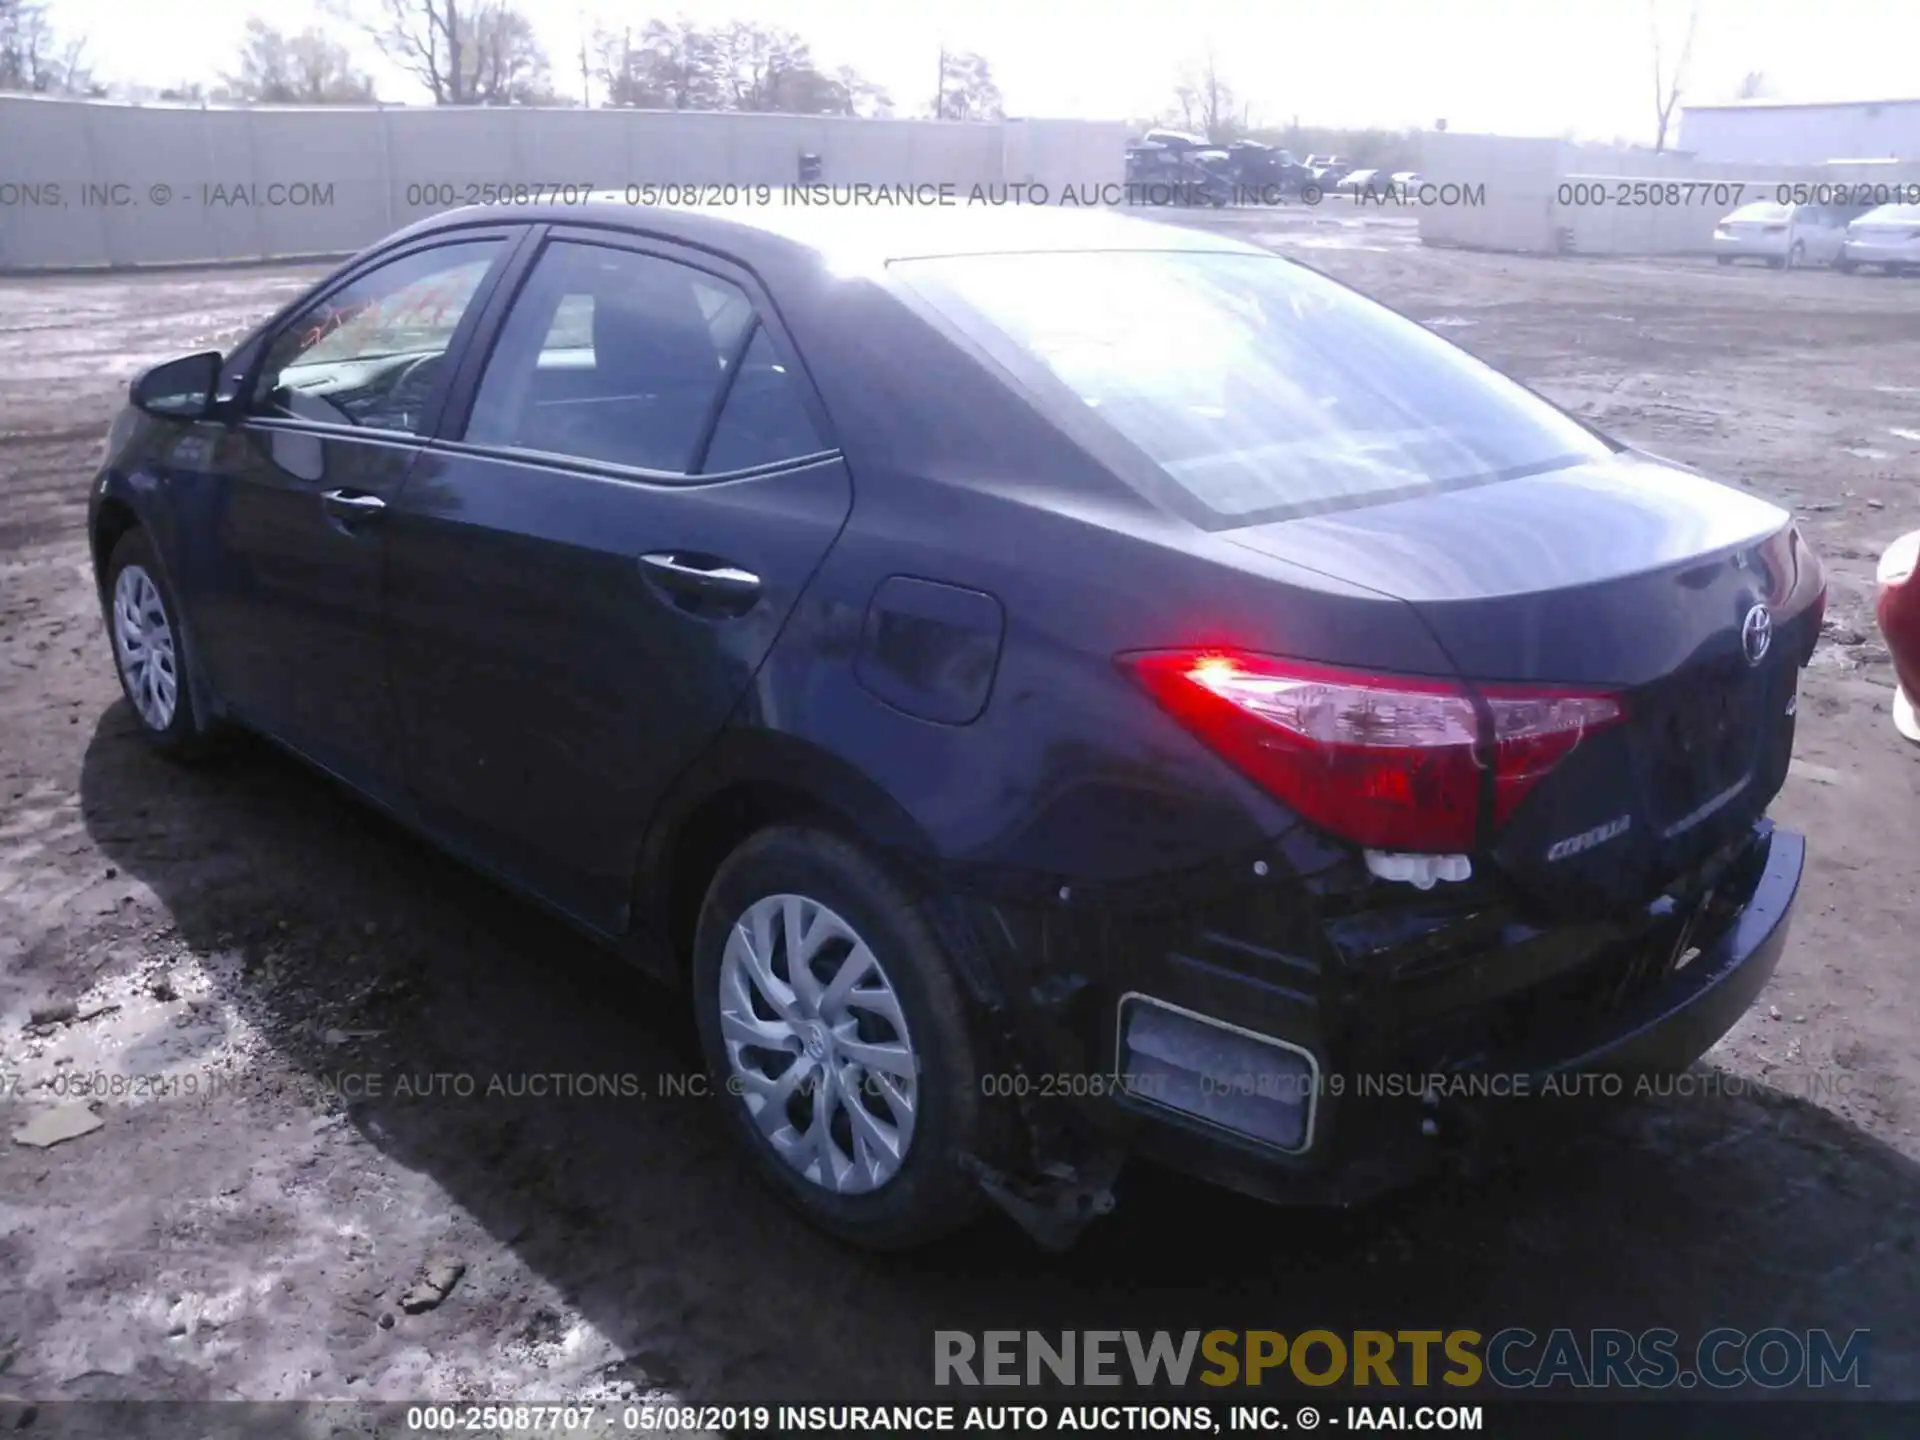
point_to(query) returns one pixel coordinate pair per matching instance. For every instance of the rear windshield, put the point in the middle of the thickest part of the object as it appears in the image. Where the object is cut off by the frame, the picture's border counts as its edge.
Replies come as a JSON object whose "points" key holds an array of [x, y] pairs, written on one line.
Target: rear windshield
{"points": [[1262, 388]]}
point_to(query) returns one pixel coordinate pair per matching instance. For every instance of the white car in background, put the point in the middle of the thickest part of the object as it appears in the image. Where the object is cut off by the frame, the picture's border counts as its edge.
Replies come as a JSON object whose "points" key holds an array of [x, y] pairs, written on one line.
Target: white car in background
{"points": [[1783, 236], [1366, 185], [1888, 237]]}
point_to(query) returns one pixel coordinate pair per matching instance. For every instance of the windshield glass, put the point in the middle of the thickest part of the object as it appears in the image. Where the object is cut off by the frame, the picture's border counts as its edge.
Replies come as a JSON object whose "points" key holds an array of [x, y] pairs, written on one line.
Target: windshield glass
{"points": [[1261, 387]]}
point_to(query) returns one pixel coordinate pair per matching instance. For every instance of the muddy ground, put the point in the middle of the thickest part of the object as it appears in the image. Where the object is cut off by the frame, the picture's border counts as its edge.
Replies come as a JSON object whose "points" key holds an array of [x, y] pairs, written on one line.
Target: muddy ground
{"points": [[247, 1225]]}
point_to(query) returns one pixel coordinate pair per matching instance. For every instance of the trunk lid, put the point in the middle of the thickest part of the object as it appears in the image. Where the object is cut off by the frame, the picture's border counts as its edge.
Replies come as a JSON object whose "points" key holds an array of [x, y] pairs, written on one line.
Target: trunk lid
{"points": [[1628, 575]]}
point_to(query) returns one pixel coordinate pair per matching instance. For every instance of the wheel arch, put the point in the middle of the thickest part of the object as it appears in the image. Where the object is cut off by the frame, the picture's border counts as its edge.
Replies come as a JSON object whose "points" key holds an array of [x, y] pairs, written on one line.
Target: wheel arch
{"points": [[113, 517], [113, 520], [750, 780]]}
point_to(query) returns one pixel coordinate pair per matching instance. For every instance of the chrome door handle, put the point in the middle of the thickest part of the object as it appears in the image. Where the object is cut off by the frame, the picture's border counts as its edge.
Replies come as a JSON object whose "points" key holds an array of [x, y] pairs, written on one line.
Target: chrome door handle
{"points": [[348, 505], [679, 573]]}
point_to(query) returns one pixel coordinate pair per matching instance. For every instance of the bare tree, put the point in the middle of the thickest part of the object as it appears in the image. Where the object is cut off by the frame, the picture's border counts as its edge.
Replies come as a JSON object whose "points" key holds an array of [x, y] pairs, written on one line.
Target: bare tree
{"points": [[1669, 84], [1207, 104], [738, 66], [466, 52], [670, 65], [509, 67], [31, 57], [864, 98], [1753, 86], [758, 64], [305, 69], [967, 88]]}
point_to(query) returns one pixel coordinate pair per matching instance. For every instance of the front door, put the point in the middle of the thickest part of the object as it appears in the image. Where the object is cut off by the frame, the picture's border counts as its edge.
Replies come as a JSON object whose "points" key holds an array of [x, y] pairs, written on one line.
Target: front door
{"points": [[587, 573], [289, 612]]}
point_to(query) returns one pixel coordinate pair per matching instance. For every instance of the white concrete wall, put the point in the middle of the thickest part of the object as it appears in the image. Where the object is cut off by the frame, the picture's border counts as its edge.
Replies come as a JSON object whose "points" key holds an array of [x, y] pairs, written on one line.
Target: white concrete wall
{"points": [[1552, 196], [85, 183], [1759, 133], [1515, 177]]}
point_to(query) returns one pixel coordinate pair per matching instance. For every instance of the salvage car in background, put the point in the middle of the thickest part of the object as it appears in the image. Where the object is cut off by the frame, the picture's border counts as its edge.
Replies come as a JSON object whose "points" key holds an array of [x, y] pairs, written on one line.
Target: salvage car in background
{"points": [[1888, 237], [1327, 169], [1783, 236], [1162, 171], [1364, 184], [1265, 173], [953, 678]]}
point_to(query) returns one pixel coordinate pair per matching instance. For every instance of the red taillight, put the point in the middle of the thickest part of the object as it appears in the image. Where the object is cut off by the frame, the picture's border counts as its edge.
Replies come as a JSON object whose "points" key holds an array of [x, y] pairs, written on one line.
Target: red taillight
{"points": [[1388, 762]]}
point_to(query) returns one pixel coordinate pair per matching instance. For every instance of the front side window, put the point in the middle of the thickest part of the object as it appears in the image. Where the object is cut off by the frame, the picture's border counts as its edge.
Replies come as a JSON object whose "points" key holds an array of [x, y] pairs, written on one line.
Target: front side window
{"points": [[1261, 388], [613, 356], [368, 354]]}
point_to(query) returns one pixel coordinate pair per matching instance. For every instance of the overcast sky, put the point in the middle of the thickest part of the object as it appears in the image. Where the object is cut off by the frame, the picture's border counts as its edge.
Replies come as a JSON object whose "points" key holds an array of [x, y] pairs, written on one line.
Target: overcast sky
{"points": [[1536, 67]]}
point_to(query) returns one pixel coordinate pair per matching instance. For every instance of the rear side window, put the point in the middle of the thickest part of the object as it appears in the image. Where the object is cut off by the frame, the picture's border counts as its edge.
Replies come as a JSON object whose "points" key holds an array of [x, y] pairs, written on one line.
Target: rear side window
{"points": [[611, 355], [763, 421], [1260, 387]]}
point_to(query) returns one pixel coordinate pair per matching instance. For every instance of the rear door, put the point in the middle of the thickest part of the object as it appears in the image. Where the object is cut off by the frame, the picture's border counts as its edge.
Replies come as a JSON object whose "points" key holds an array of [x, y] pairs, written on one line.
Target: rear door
{"points": [[590, 566], [286, 582]]}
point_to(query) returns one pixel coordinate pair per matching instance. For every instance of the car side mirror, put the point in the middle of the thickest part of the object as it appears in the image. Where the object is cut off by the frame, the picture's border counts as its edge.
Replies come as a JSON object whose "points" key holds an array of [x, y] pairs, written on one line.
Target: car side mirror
{"points": [[180, 389]]}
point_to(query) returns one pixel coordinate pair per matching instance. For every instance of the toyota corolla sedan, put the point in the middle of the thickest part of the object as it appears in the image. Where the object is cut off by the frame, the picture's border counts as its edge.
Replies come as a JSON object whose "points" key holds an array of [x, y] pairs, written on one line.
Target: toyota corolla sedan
{"points": [[1049, 688], [1783, 236], [1888, 237]]}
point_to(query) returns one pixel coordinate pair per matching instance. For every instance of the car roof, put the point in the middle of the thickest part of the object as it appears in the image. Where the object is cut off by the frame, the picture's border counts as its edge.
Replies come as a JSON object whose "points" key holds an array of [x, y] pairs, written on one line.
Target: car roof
{"points": [[844, 230]]}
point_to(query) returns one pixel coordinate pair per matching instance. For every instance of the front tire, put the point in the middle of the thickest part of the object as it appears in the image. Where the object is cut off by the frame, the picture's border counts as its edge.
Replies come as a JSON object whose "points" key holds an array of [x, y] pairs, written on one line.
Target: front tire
{"points": [[150, 650], [837, 1039]]}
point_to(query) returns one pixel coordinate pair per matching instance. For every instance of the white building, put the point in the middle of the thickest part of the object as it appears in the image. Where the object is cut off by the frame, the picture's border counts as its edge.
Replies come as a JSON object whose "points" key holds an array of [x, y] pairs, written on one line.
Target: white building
{"points": [[1774, 132]]}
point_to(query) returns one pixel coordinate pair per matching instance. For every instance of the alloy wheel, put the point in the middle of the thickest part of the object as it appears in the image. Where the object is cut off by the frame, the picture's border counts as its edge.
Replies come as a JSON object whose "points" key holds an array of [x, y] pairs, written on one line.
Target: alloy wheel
{"points": [[817, 1044], [143, 644]]}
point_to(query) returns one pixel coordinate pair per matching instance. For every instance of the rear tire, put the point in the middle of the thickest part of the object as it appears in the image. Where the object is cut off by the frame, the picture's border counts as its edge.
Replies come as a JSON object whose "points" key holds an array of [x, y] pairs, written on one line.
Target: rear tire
{"points": [[150, 651], [1845, 266], [793, 1066], [1724, 259]]}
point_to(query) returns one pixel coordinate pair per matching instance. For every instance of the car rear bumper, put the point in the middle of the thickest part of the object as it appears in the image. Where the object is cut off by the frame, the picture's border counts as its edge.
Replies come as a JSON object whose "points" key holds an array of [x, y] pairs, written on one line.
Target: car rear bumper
{"points": [[1755, 247], [1380, 1114]]}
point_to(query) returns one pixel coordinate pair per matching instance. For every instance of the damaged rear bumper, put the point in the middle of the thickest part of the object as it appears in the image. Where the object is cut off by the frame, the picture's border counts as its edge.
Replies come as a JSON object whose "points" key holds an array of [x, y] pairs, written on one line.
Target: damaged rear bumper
{"points": [[1183, 1019]]}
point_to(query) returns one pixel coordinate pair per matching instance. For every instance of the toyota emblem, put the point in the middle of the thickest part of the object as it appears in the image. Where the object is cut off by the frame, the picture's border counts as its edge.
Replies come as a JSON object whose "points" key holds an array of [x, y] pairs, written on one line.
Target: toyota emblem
{"points": [[1756, 634]]}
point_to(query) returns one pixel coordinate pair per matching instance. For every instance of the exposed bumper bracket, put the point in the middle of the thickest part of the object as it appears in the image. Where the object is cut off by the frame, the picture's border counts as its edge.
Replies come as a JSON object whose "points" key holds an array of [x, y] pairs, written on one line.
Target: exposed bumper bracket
{"points": [[1056, 1207]]}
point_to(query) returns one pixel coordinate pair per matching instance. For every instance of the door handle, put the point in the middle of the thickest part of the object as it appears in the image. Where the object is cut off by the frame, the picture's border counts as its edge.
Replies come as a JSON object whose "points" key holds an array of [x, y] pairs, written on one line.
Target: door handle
{"points": [[351, 507], [701, 579]]}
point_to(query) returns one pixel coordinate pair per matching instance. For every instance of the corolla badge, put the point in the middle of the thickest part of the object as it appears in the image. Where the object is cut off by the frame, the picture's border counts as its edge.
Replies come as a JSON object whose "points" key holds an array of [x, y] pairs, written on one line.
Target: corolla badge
{"points": [[1587, 839], [1756, 634]]}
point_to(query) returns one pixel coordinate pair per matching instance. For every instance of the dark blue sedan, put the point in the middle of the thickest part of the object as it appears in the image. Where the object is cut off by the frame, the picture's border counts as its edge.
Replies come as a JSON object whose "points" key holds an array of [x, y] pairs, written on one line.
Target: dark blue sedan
{"points": [[1050, 687]]}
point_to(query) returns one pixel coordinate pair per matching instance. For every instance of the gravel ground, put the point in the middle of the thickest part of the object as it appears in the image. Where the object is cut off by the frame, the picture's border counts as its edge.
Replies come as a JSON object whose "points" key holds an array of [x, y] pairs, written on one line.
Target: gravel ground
{"points": [[314, 990]]}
